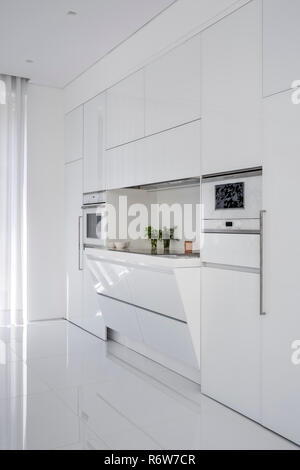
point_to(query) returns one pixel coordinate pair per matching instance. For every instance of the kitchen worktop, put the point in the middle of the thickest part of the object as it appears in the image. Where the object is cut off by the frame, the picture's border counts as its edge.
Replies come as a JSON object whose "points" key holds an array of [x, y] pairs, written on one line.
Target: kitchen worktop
{"points": [[146, 257], [168, 254]]}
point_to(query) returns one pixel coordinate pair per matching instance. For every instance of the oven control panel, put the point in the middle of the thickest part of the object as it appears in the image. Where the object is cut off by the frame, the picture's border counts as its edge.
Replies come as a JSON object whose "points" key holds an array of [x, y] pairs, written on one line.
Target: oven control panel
{"points": [[94, 198], [231, 225]]}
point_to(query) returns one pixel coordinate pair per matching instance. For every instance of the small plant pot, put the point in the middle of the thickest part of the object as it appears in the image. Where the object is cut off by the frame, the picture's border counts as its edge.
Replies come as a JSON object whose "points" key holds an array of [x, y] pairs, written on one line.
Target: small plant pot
{"points": [[167, 245], [154, 245]]}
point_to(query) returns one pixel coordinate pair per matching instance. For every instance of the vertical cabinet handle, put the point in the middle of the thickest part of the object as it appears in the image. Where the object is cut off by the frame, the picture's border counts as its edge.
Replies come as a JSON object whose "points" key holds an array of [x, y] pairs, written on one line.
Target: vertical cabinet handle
{"points": [[79, 244], [262, 214]]}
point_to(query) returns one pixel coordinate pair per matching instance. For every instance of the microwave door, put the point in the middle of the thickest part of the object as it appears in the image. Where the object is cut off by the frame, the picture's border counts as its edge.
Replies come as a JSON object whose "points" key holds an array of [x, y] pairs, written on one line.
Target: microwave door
{"points": [[93, 227]]}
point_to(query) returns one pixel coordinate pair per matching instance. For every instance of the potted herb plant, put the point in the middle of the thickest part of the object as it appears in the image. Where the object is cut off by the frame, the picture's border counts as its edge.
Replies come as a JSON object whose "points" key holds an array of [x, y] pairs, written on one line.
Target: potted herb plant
{"points": [[167, 235], [152, 235]]}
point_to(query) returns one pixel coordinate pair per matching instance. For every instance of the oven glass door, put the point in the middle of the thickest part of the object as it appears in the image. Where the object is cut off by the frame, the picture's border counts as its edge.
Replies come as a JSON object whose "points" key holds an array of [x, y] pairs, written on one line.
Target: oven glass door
{"points": [[94, 226], [229, 199]]}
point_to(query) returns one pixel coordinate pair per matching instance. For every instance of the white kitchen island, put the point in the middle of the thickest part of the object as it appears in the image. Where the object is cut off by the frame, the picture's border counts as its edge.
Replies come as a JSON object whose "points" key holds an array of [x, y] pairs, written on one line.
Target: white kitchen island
{"points": [[151, 303]]}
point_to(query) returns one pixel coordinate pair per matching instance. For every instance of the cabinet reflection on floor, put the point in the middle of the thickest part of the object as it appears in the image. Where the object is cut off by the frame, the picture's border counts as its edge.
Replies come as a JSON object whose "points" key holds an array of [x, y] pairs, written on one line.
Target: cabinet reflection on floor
{"points": [[88, 394]]}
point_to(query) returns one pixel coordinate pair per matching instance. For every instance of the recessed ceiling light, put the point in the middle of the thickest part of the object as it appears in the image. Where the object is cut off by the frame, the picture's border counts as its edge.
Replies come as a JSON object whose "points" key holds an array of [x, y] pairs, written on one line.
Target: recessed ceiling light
{"points": [[72, 13], [29, 61]]}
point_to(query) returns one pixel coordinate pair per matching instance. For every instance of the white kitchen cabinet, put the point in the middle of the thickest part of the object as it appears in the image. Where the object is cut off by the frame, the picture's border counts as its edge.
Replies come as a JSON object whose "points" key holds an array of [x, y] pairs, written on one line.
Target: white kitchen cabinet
{"points": [[173, 87], [73, 202], [131, 284], [94, 133], [163, 295], [231, 250], [281, 44], [230, 339], [170, 155], [74, 135], [231, 92], [126, 110], [281, 325], [92, 319], [167, 336], [112, 278], [120, 317]]}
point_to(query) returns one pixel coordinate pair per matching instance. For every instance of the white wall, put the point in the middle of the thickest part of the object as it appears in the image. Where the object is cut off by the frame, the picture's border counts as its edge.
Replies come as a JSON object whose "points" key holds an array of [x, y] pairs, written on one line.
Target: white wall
{"points": [[176, 24], [46, 289]]}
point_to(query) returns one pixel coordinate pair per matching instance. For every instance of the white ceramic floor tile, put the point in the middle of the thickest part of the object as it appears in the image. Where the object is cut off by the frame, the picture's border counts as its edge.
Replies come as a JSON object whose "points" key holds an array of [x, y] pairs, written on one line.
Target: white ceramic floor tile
{"points": [[78, 392], [41, 340], [217, 420], [87, 440], [91, 444], [7, 354], [16, 379], [166, 377], [39, 422], [133, 440], [215, 428], [101, 416], [11, 333], [141, 401], [75, 370]]}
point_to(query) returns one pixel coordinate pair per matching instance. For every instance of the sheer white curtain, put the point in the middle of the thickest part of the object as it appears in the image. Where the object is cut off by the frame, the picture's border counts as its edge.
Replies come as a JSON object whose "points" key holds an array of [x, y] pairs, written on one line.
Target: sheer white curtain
{"points": [[13, 98]]}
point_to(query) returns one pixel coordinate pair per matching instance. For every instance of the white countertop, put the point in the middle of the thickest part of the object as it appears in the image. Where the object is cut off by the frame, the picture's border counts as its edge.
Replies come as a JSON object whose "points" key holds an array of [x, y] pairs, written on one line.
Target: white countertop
{"points": [[170, 261]]}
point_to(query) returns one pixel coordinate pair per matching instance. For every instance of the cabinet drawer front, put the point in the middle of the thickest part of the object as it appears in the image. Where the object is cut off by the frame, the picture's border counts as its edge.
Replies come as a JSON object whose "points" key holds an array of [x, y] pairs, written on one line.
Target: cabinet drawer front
{"points": [[167, 336], [156, 291], [120, 317], [232, 250], [111, 279]]}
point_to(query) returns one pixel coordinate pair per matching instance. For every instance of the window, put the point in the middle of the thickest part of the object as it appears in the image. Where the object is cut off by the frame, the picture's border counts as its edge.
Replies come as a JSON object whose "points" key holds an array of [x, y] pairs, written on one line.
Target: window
{"points": [[2, 92]]}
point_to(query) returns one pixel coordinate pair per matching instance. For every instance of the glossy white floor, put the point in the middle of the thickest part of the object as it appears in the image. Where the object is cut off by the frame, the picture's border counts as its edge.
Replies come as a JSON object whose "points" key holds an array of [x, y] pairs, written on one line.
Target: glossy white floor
{"points": [[61, 388]]}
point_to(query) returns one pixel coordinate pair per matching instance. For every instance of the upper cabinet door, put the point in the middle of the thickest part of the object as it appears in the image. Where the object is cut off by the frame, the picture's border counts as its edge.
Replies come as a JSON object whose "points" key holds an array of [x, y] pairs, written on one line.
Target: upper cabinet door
{"points": [[94, 132], [74, 135], [170, 155], [126, 110], [281, 43], [231, 92], [173, 88]]}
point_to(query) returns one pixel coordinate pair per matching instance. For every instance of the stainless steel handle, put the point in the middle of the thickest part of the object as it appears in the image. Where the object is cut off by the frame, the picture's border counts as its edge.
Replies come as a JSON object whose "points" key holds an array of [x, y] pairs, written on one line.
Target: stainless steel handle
{"points": [[93, 206], [262, 214], [79, 244]]}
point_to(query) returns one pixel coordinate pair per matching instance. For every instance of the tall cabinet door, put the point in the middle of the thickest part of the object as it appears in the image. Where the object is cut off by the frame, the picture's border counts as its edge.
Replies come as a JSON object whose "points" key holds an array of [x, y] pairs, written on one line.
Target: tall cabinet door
{"points": [[73, 198], [281, 42], [126, 110], [281, 325], [230, 339], [231, 92], [74, 135], [94, 131], [173, 88]]}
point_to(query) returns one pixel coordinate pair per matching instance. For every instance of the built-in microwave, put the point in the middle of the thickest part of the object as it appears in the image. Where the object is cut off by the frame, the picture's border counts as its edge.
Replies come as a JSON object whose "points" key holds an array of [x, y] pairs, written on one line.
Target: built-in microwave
{"points": [[94, 219]]}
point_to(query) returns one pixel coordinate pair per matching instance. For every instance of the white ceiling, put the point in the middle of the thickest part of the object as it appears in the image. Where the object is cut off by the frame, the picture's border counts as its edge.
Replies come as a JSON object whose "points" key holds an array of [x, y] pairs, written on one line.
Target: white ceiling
{"points": [[63, 46]]}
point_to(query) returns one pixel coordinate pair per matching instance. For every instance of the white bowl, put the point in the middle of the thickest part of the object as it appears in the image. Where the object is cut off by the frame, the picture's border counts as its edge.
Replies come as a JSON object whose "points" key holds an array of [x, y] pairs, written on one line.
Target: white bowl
{"points": [[111, 245], [121, 245]]}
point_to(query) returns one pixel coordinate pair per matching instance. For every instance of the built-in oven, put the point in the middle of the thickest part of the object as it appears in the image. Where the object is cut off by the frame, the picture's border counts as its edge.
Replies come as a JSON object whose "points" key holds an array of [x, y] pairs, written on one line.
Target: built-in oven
{"points": [[94, 219], [232, 202]]}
